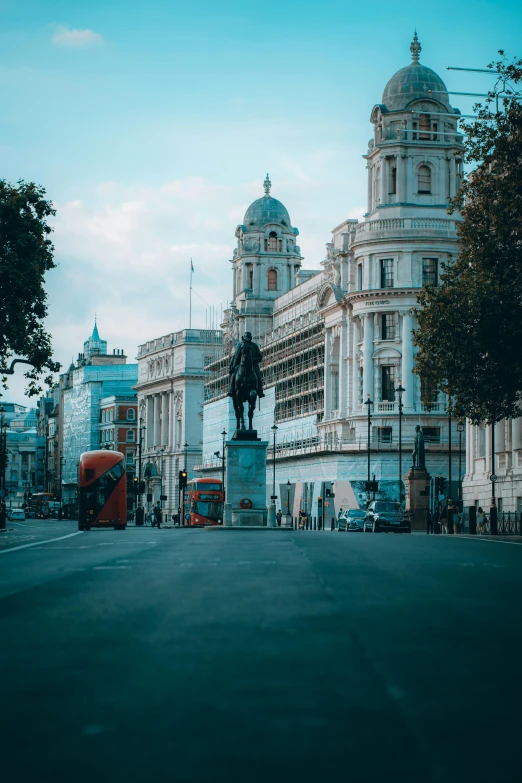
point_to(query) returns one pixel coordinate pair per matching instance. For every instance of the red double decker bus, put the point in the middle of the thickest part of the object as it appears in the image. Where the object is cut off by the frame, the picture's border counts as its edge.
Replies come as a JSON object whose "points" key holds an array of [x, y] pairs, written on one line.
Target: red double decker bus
{"points": [[102, 500], [204, 500]]}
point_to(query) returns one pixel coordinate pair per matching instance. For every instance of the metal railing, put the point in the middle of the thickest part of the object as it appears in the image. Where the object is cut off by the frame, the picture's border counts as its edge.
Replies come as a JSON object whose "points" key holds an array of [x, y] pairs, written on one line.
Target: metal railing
{"points": [[509, 523]]}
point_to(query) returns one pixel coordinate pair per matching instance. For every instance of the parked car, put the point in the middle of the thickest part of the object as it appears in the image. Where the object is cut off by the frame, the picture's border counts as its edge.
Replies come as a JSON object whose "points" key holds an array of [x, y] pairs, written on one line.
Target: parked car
{"points": [[386, 516], [17, 515], [352, 520]]}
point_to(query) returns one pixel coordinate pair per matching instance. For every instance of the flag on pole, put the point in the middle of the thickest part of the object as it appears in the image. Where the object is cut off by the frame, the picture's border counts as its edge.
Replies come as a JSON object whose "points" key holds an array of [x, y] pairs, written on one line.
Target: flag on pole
{"points": [[191, 266]]}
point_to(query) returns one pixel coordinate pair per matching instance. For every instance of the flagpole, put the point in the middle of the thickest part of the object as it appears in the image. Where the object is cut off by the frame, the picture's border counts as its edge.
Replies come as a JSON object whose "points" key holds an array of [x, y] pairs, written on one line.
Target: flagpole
{"points": [[190, 295]]}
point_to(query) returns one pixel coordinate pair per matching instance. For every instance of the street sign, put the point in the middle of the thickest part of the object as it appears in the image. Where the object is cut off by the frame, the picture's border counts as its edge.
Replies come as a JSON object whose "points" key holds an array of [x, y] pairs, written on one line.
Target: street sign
{"points": [[493, 477]]}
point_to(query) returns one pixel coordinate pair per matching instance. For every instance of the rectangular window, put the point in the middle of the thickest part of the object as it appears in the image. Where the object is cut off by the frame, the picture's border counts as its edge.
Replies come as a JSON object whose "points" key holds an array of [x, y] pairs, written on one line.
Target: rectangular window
{"points": [[359, 277], [424, 126], [393, 180], [519, 504], [499, 505], [429, 394], [388, 326], [130, 457], [430, 271], [431, 434], [386, 272], [414, 134], [384, 434], [388, 383]]}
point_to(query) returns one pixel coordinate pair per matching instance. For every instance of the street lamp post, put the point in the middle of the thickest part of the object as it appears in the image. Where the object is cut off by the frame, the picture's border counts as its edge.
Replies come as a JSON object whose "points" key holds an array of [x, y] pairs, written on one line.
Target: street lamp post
{"points": [[274, 496], [223, 436], [399, 390], [141, 430], [460, 430], [272, 508], [368, 403], [288, 485], [185, 446], [3, 465]]}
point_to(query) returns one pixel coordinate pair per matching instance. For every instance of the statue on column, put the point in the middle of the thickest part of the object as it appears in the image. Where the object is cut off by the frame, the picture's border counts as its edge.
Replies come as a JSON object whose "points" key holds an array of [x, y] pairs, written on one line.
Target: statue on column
{"points": [[419, 457]]}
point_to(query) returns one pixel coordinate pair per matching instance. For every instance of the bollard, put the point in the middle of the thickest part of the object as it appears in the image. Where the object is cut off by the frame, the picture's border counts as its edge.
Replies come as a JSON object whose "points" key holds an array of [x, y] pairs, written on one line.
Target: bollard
{"points": [[493, 520], [306, 523], [315, 523], [333, 523], [472, 516]]}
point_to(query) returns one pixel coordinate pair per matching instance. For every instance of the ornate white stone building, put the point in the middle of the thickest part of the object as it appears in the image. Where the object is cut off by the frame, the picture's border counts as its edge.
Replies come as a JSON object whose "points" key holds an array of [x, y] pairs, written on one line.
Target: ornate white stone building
{"points": [[332, 339], [494, 452], [170, 407]]}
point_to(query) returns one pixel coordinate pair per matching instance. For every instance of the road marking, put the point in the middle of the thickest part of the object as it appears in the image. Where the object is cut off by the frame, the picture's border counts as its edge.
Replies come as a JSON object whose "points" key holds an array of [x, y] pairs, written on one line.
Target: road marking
{"points": [[39, 543], [488, 540], [110, 568]]}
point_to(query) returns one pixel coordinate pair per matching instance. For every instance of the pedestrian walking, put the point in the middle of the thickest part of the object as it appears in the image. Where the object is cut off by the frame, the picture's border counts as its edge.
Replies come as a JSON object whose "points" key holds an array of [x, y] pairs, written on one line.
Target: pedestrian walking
{"points": [[458, 522], [444, 520], [302, 519], [481, 520], [279, 517], [157, 514], [429, 522]]}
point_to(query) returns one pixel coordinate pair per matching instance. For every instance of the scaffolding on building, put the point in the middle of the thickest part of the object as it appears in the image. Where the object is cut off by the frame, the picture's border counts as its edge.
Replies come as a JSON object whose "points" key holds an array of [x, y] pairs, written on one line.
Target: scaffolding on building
{"points": [[293, 362]]}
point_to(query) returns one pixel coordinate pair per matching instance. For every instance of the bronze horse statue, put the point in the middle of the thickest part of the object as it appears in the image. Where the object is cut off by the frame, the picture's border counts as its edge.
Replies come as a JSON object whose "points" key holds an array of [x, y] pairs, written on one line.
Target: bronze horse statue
{"points": [[244, 388]]}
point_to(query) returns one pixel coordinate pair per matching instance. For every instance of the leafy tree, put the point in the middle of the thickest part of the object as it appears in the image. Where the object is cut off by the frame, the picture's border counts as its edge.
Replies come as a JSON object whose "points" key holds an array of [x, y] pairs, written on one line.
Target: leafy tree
{"points": [[470, 327], [26, 254]]}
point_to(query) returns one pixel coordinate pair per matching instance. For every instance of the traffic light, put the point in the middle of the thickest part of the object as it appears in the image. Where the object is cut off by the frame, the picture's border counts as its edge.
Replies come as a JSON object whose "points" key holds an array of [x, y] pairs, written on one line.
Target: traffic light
{"points": [[328, 492], [442, 485], [182, 479], [135, 483], [141, 487]]}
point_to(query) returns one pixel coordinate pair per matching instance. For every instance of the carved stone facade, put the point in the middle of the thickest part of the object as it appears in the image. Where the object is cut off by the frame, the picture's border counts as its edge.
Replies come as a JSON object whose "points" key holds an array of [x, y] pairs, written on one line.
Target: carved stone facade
{"points": [[171, 372]]}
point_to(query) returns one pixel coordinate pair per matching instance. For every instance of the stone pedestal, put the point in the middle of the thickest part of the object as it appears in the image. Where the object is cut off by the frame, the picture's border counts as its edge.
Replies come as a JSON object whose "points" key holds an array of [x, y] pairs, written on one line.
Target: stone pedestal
{"points": [[418, 497], [245, 481], [287, 521]]}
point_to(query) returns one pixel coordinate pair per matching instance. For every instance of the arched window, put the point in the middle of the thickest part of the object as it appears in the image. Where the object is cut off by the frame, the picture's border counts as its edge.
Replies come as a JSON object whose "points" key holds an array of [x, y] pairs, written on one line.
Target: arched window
{"points": [[272, 242], [424, 179], [131, 414], [130, 436], [272, 279]]}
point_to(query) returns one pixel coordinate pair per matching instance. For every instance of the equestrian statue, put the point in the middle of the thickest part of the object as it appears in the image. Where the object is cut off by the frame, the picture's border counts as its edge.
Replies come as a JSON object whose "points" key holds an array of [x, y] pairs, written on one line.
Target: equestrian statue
{"points": [[246, 384]]}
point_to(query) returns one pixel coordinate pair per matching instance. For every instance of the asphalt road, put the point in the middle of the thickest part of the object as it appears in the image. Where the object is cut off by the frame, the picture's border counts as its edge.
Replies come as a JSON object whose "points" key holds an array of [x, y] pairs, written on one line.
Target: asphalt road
{"points": [[195, 655]]}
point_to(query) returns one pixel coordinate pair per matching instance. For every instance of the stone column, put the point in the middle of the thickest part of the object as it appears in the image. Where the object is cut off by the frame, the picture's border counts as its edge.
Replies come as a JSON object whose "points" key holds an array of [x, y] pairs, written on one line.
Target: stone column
{"points": [[516, 438], [172, 417], [384, 180], [407, 361], [355, 366], [149, 421], [164, 418], [452, 176], [327, 373], [401, 178], [157, 412], [470, 446], [343, 368], [367, 356]]}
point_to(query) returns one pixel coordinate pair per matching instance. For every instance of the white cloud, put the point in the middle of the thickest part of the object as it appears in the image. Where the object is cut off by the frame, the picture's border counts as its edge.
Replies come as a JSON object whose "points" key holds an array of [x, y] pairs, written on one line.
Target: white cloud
{"points": [[67, 36]]}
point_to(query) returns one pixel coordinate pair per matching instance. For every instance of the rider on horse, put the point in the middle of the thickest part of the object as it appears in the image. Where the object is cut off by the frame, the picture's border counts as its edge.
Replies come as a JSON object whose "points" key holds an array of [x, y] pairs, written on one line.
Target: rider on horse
{"points": [[236, 360]]}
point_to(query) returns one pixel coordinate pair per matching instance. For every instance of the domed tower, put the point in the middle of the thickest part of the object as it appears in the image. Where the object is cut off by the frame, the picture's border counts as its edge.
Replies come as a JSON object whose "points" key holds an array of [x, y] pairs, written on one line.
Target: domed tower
{"points": [[414, 159], [265, 261], [414, 166]]}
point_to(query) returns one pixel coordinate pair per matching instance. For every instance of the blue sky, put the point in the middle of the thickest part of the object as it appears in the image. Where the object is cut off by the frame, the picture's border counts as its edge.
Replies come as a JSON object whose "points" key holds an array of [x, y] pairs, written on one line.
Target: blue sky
{"points": [[152, 126]]}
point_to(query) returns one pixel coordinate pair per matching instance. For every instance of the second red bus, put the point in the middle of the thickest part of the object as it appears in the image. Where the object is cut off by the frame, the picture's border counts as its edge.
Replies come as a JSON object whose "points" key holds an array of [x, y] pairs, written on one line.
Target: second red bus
{"points": [[204, 501]]}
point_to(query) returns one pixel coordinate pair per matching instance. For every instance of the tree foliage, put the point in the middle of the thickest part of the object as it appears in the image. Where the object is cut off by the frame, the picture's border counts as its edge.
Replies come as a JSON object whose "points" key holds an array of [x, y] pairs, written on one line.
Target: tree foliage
{"points": [[26, 254], [470, 327]]}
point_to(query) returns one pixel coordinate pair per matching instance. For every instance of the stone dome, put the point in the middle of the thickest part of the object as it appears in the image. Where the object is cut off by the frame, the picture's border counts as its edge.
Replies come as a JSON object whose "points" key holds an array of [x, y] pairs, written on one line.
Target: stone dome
{"points": [[413, 83], [266, 210]]}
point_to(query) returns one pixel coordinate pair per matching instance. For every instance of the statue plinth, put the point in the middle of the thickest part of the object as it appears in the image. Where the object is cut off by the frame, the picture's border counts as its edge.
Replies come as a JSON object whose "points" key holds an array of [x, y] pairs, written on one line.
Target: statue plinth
{"points": [[249, 435], [417, 482], [245, 480]]}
